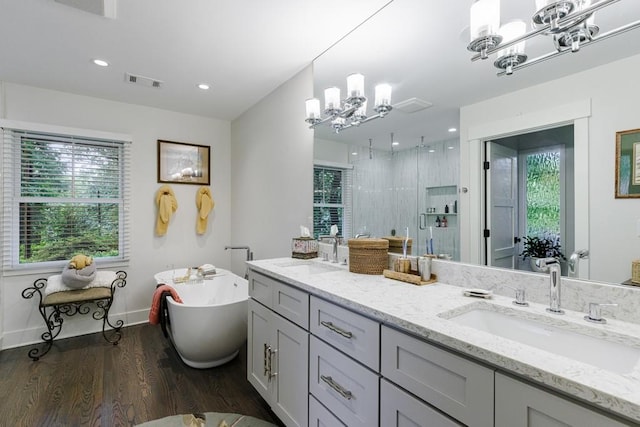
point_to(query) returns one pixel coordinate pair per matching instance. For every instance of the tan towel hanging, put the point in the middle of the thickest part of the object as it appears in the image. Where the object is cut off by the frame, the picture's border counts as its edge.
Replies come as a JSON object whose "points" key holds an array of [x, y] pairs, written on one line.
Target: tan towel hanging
{"points": [[204, 204], [167, 205]]}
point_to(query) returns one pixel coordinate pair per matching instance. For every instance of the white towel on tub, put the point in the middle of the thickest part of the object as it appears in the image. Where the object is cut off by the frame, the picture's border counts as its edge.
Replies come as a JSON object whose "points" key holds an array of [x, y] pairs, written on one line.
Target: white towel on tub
{"points": [[103, 280]]}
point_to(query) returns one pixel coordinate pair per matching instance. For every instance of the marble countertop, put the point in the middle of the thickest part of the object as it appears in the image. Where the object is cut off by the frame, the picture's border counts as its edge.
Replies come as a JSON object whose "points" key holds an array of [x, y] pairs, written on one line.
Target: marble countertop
{"points": [[422, 310]]}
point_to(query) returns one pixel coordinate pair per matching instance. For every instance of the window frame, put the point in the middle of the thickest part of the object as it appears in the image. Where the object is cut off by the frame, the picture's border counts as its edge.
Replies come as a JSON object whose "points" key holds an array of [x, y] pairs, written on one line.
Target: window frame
{"points": [[12, 197], [346, 193]]}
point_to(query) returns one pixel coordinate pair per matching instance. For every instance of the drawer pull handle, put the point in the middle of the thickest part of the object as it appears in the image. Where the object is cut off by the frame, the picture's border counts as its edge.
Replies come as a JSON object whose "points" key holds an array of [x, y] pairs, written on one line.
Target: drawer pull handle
{"points": [[337, 387], [337, 330]]}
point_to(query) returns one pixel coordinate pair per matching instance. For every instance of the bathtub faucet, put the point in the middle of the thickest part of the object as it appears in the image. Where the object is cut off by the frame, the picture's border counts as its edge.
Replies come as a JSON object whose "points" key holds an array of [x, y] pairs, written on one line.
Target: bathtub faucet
{"points": [[249, 253], [249, 256]]}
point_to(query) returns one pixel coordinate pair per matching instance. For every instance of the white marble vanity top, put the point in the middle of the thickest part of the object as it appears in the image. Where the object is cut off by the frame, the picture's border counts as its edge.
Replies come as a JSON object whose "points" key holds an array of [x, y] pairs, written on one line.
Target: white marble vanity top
{"points": [[419, 309]]}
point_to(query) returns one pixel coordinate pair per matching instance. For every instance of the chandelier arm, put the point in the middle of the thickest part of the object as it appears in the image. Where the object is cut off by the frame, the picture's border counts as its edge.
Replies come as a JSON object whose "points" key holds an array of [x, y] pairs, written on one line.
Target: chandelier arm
{"points": [[575, 15], [623, 29]]}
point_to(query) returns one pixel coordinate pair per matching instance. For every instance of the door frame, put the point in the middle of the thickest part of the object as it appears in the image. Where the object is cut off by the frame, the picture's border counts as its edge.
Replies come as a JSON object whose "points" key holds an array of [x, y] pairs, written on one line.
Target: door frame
{"points": [[472, 205]]}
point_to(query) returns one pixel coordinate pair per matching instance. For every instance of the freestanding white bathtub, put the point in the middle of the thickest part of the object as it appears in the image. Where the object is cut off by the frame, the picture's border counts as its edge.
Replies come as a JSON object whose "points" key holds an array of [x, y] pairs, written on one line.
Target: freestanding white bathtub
{"points": [[210, 325]]}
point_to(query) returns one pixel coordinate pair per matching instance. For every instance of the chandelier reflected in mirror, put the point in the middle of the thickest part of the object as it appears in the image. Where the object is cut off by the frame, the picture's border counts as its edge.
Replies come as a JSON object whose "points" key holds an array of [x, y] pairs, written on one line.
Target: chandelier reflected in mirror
{"points": [[352, 110], [570, 24]]}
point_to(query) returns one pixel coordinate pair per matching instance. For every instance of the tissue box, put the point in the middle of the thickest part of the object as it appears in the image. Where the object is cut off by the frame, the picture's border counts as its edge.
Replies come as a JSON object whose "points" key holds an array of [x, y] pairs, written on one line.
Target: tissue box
{"points": [[304, 248], [635, 272]]}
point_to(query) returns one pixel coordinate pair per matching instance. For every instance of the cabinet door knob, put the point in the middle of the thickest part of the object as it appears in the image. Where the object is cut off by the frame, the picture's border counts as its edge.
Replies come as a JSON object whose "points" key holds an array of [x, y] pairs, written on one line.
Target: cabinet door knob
{"points": [[336, 329]]}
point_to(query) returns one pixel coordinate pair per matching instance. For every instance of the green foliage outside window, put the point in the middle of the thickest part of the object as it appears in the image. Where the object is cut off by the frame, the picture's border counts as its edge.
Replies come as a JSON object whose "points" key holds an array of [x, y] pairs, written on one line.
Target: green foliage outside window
{"points": [[328, 207], [70, 200], [543, 194]]}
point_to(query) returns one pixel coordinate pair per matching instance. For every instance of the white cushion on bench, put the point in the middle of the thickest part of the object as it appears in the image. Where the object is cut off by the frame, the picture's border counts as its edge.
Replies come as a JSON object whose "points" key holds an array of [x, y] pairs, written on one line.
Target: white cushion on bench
{"points": [[103, 280]]}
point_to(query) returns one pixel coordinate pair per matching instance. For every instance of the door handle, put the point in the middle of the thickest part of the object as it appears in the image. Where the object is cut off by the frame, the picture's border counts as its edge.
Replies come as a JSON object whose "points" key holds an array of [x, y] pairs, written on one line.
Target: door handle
{"points": [[516, 240], [423, 221], [265, 358]]}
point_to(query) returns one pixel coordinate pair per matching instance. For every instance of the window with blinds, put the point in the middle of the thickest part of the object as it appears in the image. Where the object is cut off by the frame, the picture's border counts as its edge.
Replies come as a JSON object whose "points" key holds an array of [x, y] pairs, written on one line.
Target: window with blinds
{"points": [[63, 195], [331, 200]]}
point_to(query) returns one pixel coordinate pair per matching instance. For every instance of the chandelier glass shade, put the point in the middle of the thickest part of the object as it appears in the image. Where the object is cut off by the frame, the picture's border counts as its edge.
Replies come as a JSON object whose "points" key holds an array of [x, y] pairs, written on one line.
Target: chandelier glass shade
{"points": [[352, 110], [570, 24]]}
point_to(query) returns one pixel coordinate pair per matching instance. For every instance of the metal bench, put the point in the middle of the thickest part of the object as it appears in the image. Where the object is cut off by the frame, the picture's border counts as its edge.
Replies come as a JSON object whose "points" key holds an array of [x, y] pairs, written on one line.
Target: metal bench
{"points": [[70, 303]]}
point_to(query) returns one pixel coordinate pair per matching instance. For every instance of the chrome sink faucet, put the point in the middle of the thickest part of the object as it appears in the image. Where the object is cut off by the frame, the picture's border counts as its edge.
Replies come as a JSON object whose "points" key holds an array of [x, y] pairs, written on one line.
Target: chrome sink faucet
{"points": [[554, 283], [335, 239], [574, 260]]}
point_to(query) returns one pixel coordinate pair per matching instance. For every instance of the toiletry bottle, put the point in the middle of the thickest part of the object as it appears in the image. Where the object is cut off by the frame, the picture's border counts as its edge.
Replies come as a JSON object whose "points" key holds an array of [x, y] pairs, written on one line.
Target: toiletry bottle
{"points": [[437, 221], [444, 221], [446, 208], [455, 206]]}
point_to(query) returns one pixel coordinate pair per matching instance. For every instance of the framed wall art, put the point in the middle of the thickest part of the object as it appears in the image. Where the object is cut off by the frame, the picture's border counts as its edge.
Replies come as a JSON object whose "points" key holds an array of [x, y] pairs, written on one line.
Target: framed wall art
{"points": [[628, 164], [183, 163]]}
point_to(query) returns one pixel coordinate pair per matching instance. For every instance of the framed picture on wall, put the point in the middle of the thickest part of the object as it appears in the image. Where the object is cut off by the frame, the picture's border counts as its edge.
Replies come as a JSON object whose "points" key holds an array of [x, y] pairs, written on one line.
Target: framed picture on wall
{"points": [[628, 164], [182, 163]]}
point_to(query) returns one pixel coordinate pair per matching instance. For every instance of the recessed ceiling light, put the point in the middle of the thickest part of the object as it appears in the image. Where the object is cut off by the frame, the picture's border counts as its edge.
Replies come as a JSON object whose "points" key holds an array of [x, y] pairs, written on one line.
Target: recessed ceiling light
{"points": [[450, 147], [354, 154], [432, 150], [452, 129], [101, 62], [395, 143], [203, 86]]}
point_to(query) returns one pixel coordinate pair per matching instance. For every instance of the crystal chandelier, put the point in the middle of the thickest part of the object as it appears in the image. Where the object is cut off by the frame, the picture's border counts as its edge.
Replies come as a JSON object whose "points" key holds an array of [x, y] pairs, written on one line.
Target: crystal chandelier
{"points": [[351, 111], [570, 23]]}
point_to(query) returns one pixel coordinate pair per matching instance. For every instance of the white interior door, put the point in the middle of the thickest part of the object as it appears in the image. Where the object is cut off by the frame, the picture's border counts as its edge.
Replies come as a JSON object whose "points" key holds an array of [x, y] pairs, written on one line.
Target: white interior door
{"points": [[502, 205]]}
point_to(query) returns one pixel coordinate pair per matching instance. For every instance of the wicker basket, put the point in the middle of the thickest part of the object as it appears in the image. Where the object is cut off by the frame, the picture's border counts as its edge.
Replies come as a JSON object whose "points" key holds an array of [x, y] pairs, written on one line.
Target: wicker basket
{"points": [[635, 271], [395, 244], [368, 256]]}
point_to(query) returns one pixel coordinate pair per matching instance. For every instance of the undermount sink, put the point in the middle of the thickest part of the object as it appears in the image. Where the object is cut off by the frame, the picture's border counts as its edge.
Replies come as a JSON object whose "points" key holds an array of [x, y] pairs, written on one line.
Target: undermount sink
{"points": [[310, 267], [538, 332]]}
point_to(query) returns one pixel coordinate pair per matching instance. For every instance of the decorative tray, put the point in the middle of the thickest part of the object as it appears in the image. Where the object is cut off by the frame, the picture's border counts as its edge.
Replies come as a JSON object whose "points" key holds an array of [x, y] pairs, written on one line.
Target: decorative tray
{"points": [[409, 278]]}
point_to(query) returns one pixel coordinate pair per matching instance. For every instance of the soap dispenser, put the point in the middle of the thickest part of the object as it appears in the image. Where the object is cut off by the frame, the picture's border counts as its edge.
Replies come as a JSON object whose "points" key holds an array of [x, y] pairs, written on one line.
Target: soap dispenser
{"points": [[437, 221]]}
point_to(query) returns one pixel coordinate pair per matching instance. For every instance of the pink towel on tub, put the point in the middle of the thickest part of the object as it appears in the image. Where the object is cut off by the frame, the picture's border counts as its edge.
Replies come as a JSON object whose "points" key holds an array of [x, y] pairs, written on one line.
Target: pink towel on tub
{"points": [[154, 313]]}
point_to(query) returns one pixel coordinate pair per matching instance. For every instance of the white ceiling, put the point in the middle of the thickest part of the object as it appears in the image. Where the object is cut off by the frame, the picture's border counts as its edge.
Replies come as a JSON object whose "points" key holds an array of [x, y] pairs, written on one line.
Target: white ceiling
{"points": [[246, 48], [243, 48]]}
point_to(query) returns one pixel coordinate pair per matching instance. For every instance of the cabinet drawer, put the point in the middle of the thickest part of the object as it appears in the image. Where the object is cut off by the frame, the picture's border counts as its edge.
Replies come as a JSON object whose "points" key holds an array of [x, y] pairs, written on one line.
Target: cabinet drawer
{"points": [[261, 288], [346, 388], [522, 405], [319, 416], [349, 332], [457, 386], [291, 303], [399, 408]]}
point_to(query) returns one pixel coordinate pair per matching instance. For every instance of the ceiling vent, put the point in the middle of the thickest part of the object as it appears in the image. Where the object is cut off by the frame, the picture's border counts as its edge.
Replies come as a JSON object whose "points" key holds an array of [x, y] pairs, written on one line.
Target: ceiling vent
{"points": [[412, 105], [142, 81], [106, 8]]}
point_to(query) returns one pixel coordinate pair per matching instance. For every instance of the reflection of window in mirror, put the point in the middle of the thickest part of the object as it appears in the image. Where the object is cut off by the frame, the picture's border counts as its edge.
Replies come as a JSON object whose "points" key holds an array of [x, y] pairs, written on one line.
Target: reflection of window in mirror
{"points": [[542, 190], [331, 200]]}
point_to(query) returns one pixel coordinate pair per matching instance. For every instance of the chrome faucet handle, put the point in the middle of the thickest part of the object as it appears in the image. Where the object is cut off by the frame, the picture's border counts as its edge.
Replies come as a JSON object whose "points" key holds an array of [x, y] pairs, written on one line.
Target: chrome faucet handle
{"points": [[595, 312], [520, 297]]}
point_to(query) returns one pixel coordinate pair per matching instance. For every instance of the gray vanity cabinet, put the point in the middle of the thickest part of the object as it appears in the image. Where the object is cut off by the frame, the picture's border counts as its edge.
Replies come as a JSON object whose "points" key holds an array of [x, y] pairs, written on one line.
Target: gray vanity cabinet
{"points": [[344, 363], [519, 404], [278, 347], [455, 385], [399, 408]]}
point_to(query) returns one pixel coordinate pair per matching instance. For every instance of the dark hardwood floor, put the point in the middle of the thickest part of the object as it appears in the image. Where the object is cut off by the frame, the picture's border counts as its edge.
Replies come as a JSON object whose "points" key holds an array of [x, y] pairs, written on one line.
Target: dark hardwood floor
{"points": [[85, 381]]}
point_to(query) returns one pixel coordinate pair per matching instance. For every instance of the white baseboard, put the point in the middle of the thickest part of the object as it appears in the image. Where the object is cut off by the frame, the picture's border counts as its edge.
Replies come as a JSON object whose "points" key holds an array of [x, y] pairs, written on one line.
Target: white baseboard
{"points": [[83, 325]]}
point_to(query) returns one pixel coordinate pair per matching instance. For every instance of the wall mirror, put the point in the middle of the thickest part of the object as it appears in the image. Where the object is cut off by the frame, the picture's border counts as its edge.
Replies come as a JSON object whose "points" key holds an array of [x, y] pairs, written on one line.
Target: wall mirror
{"points": [[420, 48]]}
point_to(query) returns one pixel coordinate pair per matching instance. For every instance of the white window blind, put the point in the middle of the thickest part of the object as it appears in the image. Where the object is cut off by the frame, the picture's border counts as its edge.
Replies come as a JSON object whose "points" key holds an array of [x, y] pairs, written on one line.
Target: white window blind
{"points": [[63, 195], [332, 200]]}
